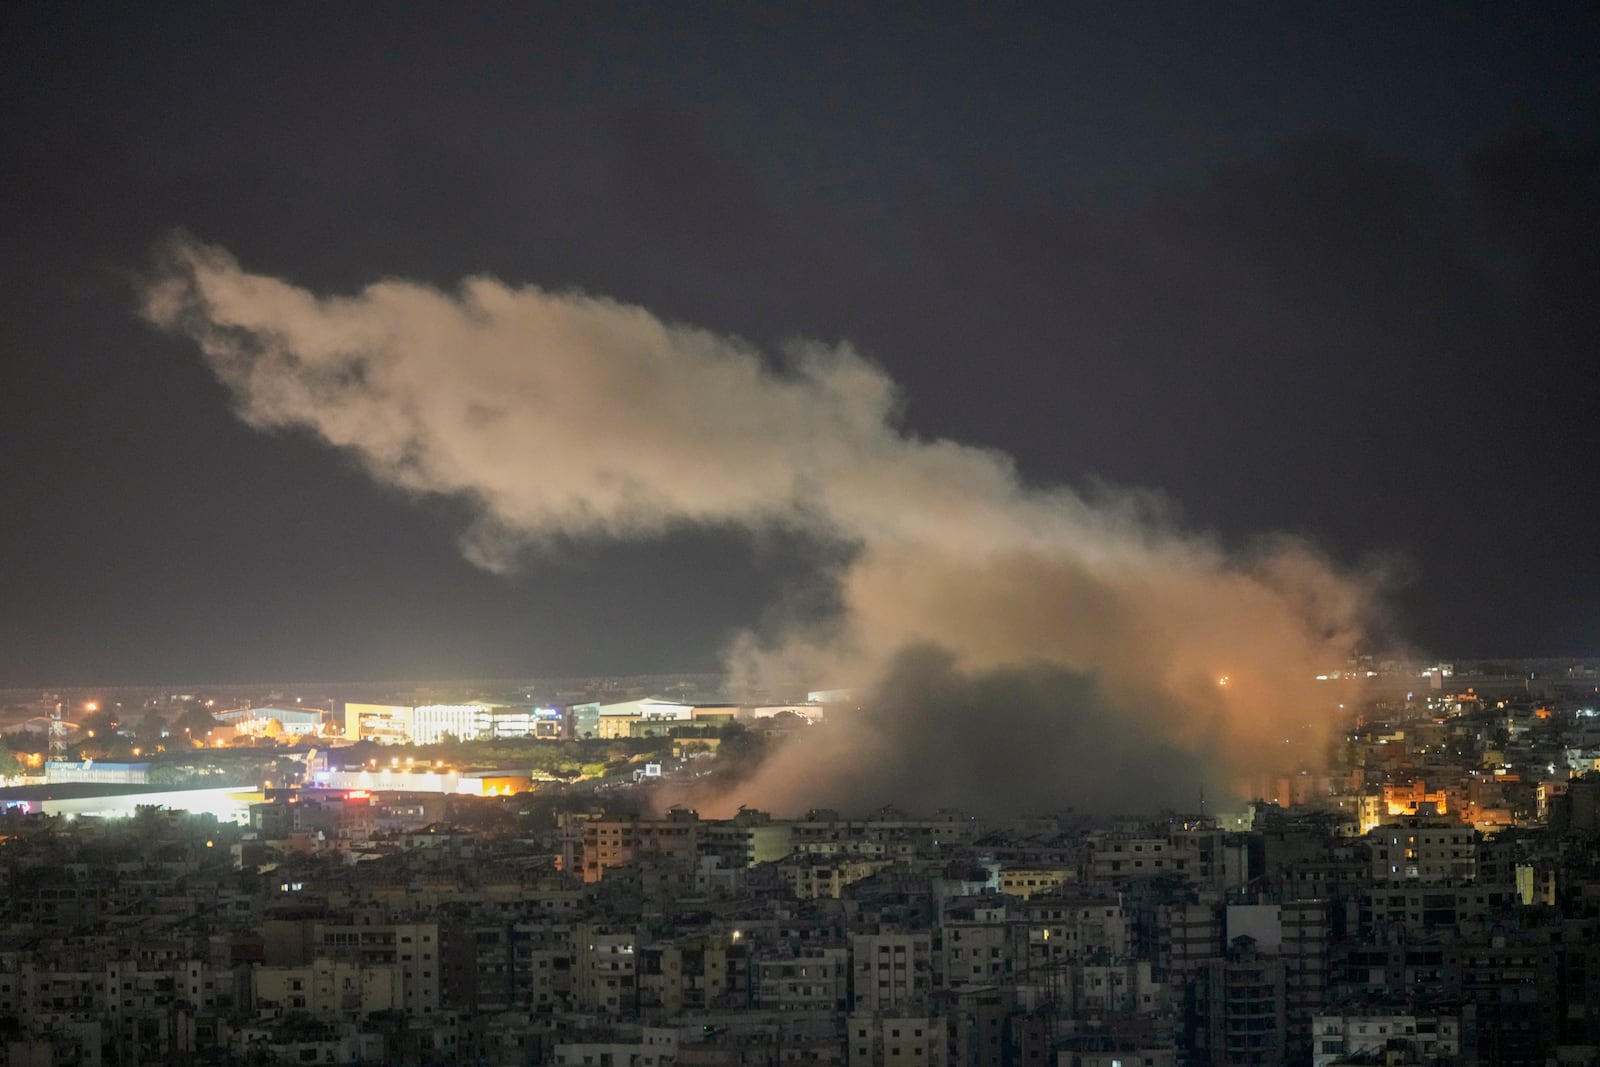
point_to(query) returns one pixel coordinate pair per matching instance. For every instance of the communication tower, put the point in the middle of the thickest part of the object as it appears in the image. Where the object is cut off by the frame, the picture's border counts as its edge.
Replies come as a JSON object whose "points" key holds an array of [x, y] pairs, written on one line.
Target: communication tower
{"points": [[58, 735]]}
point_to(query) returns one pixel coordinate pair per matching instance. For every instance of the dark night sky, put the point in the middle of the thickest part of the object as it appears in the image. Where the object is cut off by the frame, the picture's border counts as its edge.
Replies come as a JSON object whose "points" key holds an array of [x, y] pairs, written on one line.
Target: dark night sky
{"points": [[1334, 272]]}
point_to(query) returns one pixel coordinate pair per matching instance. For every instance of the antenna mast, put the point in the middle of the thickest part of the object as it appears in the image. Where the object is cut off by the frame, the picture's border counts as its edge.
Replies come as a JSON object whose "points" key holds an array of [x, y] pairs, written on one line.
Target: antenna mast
{"points": [[58, 735]]}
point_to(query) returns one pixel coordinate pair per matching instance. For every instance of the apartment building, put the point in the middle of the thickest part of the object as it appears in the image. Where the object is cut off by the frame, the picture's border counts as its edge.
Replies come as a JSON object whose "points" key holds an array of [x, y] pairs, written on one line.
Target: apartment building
{"points": [[891, 970]]}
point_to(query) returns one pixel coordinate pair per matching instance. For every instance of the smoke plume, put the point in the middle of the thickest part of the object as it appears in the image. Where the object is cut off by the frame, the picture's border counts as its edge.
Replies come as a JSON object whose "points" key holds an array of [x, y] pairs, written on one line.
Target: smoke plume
{"points": [[1024, 647]]}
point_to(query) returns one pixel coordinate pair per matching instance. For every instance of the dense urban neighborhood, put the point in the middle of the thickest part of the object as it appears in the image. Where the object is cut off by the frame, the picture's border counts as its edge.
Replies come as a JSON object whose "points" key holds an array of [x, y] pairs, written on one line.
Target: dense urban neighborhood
{"points": [[1432, 899]]}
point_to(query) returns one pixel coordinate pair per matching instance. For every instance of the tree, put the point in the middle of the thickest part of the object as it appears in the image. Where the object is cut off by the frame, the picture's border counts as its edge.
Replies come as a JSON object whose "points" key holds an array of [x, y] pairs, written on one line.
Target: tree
{"points": [[10, 766], [98, 724], [196, 722], [151, 730], [168, 774], [787, 720], [741, 750]]}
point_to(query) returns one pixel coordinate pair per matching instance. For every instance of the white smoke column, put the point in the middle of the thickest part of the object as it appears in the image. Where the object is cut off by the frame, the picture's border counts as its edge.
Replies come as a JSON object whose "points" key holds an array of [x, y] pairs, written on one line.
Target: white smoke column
{"points": [[565, 415]]}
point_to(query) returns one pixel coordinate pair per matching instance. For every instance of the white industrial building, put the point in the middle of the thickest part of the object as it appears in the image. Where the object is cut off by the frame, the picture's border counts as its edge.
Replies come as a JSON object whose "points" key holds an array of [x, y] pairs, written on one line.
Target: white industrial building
{"points": [[427, 724]]}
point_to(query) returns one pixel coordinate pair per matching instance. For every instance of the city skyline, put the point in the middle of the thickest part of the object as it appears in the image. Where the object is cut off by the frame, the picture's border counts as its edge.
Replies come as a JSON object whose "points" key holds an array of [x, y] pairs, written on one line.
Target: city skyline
{"points": [[1188, 257]]}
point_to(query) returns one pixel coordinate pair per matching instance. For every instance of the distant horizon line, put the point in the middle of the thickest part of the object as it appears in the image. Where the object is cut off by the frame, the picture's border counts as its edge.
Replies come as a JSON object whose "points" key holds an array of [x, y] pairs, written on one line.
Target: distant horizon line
{"points": [[15, 690], [20, 690]]}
